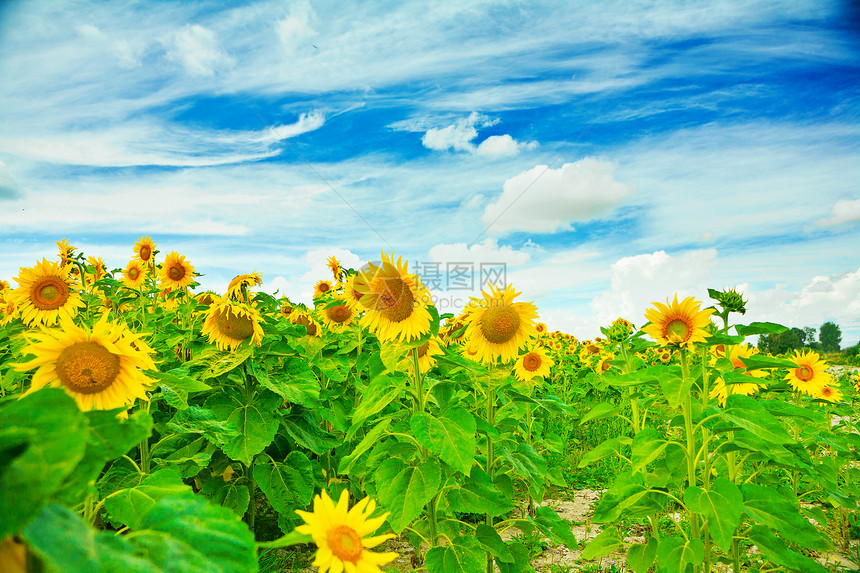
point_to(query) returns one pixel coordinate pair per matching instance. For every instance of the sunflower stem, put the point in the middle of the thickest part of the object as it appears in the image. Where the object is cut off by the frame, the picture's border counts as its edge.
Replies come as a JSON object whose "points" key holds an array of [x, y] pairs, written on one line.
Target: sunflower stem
{"points": [[691, 441], [491, 420], [251, 516]]}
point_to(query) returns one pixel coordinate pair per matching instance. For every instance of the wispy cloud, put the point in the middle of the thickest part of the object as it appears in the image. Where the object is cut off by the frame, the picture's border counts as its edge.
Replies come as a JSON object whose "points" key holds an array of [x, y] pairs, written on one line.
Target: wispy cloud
{"points": [[844, 211]]}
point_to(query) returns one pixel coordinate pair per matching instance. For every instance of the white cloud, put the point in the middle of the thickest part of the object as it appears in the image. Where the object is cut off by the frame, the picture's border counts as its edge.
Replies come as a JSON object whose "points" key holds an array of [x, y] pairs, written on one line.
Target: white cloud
{"points": [[198, 51], [459, 135], [488, 252], [843, 211], [547, 200], [295, 31], [706, 237], [640, 280]]}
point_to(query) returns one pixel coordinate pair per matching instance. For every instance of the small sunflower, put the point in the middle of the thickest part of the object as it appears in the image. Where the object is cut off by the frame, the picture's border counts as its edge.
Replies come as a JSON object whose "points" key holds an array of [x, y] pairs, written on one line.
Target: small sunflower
{"points": [[603, 365], [67, 252], [45, 293], [722, 390], [144, 249], [304, 318], [238, 288], [4, 288], [175, 272], [352, 297], [810, 374], [207, 298], [229, 323], [8, 311], [101, 369], [397, 302], [334, 267], [678, 324], [337, 316], [426, 355], [341, 535], [323, 288], [829, 393], [134, 274], [500, 327], [533, 363]]}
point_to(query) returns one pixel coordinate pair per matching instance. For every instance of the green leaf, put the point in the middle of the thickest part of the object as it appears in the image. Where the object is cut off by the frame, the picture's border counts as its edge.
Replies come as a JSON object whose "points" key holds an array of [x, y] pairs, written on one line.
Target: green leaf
{"points": [[674, 553], [648, 444], [777, 551], [609, 447], [627, 492], [130, 505], [640, 557], [521, 559], [451, 436], [365, 444], [602, 410], [301, 426], [462, 555], [722, 505], [295, 381], [759, 362], [602, 545], [232, 494], [221, 362], [554, 527], [479, 495], [404, 490], [288, 486], [747, 413], [197, 420], [769, 508], [255, 421], [492, 542], [56, 435], [759, 328], [183, 534], [380, 392], [674, 387]]}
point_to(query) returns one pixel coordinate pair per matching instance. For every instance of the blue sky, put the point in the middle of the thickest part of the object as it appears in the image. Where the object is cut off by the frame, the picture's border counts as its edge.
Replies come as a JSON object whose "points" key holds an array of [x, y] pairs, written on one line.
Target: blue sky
{"points": [[609, 154]]}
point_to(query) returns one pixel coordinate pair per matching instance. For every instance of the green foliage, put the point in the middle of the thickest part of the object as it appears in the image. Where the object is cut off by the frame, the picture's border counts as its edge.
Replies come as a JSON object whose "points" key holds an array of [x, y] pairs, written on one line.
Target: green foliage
{"points": [[830, 336]]}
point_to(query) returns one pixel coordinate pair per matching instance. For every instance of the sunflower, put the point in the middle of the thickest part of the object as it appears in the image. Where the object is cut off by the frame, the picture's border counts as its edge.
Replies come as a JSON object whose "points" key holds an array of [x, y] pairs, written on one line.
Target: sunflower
{"points": [[238, 287], [540, 328], [533, 363], [229, 323], [101, 369], [45, 292], [397, 302], [67, 252], [337, 316], [809, 375], [829, 393], [175, 273], [334, 267], [134, 274], [304, 318], [352, 297], [678, 324], [498, 326], [8, 311], [207, 298], [4, 288], [341, 535], [604, 363], [144, 249], [722, 390], [322, 288], [426, 355]]}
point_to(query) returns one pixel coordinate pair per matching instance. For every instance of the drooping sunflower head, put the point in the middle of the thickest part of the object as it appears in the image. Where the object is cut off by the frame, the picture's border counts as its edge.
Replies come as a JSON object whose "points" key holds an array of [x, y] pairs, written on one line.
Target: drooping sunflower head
{"points": [[534, 363], [144, 249], [604, 363], [336, 314], [678, 324], [500, 327], [175, 273], [304, 318], [207, 298], [99, 269], [721, 390], [397, 303], [228, 324], [67, 252], [101, 369], [334, 267], [809, 374], [342, 534], [238, 288], [45, 292], [427, 354]]}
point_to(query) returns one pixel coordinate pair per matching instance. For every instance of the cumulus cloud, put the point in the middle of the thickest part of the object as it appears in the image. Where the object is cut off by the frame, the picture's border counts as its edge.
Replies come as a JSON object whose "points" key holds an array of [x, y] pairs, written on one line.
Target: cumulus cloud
{"points": [[459, 135], [843, 211], [640, 280], [198, 51], [488, 252], [317, 265], [9, 188], [547, 200]]}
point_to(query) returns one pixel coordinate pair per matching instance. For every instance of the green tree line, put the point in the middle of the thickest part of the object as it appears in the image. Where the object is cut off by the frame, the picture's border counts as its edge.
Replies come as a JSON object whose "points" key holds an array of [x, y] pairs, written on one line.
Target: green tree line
{"points": [[828, 340]]}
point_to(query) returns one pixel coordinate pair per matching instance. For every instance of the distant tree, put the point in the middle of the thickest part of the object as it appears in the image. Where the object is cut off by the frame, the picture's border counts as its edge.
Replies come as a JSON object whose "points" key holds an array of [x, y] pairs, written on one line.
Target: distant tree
{"points": [[830, 337], [783, 342], [810, 341]]}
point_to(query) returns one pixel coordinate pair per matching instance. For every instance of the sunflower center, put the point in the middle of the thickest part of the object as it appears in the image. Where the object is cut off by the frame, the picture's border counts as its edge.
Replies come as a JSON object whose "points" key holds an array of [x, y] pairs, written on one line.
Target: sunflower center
{"points": [[422, 350], [145, 253], [396, 300], [338, 314], [233, 325], [804, 373], [50, 293], [605, 365], [133, 273], [324, 287], [87, 367], [500, 324], [736, 362], [345, 543], [531, 361], [176, 272], [677, 330]]}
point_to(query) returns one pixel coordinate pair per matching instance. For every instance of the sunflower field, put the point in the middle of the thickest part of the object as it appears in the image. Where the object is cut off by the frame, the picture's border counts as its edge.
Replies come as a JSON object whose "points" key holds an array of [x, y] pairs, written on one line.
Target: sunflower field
{"points": [[146, 426]]}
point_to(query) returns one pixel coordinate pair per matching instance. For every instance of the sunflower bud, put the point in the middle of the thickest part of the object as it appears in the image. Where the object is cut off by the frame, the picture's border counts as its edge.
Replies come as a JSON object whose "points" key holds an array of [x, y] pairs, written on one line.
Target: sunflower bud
{"points": [[730, 300]]}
